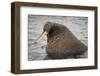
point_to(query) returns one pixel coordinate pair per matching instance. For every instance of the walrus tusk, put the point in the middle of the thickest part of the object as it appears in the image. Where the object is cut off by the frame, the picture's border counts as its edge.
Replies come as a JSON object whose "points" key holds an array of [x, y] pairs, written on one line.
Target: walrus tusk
{"points": [[41, 36]]}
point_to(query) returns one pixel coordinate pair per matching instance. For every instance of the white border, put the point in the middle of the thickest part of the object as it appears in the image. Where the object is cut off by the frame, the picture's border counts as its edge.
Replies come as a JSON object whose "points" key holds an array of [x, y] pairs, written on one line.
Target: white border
{"points": [[25, 64]]}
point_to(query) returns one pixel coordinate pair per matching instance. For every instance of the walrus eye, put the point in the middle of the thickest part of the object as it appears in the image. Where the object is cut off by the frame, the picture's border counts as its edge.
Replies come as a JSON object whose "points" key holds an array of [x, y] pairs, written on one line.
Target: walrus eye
{"points": [[51, 31], [54, 30]]}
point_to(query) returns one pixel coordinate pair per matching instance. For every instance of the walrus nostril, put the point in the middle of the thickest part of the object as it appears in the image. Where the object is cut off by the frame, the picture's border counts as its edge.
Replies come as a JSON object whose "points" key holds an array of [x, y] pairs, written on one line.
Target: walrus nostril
{"points": [[61, 43]]}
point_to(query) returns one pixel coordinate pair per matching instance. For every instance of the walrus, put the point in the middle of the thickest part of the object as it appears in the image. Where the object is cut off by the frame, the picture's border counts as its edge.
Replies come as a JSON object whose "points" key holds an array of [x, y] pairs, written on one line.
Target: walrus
{"points": [[61, 42]]}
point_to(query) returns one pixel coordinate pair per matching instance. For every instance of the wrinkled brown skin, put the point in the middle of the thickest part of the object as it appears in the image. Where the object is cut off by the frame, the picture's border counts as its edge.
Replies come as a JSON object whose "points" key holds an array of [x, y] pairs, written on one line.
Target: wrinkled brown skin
{"points": [[61, 43]]}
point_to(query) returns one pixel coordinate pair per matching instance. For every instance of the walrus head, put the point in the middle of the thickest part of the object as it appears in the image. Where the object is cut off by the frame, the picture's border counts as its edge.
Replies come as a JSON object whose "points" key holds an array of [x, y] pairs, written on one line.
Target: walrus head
{"points": [[51, 29]]}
